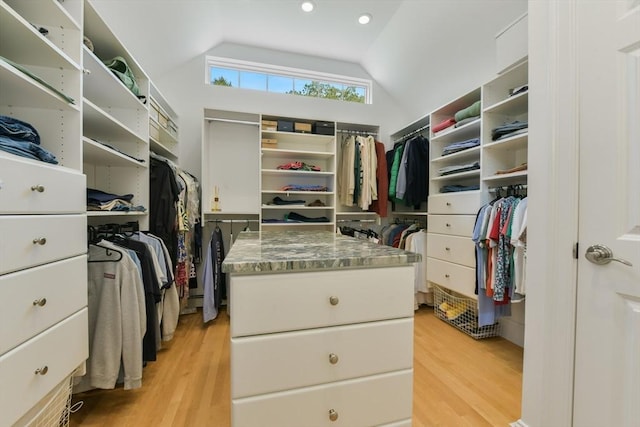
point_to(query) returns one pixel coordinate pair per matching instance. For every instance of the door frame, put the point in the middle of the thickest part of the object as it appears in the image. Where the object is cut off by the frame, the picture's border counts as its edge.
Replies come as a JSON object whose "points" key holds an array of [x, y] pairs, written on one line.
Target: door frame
{"points": [[552, 232]]}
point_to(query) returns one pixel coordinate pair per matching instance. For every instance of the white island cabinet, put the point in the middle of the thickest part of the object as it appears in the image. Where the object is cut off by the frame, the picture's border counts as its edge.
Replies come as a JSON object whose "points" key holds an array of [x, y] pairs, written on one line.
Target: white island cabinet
{"points": [[321, 331]]}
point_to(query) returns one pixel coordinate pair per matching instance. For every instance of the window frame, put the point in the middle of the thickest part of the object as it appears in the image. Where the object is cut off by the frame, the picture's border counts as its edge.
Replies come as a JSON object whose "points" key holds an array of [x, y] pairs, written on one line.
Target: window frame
{"points": [[294, 73]]}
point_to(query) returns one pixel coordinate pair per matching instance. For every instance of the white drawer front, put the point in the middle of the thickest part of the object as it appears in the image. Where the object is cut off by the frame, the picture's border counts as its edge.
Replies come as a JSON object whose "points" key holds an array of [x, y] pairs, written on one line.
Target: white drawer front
{"points": [[39, 297], [455, 225], [452, 276], [455, 203], [298, 359], [29, 240], [460, 250], [60, 349], [27, 188], [292, 301], [369, 401]]}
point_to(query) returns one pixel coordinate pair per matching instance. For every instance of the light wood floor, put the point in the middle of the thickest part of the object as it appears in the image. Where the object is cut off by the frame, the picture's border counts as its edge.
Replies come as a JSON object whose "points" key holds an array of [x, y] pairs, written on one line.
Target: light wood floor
{"points": [[458, 381]]}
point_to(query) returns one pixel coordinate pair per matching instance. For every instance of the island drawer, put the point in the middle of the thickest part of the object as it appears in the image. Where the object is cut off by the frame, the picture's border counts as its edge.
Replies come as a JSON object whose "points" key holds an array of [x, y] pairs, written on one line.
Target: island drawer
{"points": [[369, 401], [303, 358], [280, 302]]}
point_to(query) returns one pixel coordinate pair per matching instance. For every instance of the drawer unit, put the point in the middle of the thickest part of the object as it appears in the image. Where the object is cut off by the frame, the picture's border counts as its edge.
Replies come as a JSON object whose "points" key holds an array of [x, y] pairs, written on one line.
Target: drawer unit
{"points": [[35, 367], [467, 202], [293, 301], [304, 358], [39, 297], [374, 400], [460, 250], [455, 225], [452, 276], [30, 240], [28, 188]]}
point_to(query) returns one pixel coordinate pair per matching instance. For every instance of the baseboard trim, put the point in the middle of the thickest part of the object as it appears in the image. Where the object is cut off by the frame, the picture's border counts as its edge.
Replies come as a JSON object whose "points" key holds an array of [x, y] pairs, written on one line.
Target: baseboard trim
{"points": [[518, 423]]}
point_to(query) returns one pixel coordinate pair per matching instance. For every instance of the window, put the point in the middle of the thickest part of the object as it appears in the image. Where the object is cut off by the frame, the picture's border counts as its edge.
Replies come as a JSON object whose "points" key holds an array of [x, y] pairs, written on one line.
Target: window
{"points": [[293, 81]]}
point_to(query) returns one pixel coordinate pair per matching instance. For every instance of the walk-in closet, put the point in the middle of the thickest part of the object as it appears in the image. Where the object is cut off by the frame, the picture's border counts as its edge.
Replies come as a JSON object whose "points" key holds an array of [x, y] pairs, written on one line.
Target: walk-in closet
{"points": [[316, 213]]}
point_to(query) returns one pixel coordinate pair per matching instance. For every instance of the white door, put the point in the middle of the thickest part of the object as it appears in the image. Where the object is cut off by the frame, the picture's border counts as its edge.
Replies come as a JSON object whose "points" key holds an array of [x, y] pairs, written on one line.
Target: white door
{"points": [[607, 363]]}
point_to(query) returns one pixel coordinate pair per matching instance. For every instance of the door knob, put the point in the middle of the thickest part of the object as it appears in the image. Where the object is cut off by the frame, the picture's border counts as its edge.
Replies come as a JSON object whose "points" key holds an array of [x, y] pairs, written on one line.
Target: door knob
{"points": [[601, 255]]}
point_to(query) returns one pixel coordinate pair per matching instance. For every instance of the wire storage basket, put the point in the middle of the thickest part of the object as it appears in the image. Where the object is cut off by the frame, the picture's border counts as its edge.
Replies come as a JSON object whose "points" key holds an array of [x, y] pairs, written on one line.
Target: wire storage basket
{"points": [[462, 312], [54, 410]]}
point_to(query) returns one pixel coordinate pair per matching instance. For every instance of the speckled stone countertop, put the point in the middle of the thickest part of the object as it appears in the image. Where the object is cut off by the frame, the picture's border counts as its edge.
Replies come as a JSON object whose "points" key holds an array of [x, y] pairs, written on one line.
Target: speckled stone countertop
{"points": [[281, 251]]}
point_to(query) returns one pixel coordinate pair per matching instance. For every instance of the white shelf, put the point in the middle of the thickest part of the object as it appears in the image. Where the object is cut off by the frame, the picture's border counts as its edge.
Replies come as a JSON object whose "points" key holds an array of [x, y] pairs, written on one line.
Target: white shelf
{"points": [[102, 87], [320, 193], [469, 153], [294, 207], [516, 142], [297, 135], [506, 177], [45, 12], [159, 148], [456, 176], [407, 213], [33, 48], [96, 153], [454, 134], [295, 173], [515, 105], [280, 152], [103, 126], [114, 213], [356, 213], [20, 90]]}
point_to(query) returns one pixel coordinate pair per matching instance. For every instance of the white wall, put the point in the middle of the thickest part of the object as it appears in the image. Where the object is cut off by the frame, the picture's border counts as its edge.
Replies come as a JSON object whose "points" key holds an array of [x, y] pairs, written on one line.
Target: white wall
{"points": [[187, 92]]}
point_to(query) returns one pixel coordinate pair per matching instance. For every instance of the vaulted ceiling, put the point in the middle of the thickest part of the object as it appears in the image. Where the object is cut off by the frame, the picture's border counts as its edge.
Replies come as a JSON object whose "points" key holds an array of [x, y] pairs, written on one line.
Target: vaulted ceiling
{"points": [[408, 46]]}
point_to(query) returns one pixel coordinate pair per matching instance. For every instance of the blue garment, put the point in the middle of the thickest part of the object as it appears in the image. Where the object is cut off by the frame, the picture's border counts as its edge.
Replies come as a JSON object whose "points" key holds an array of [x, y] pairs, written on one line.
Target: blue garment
{"points": [[460, 145], [97, 196], [486, 307], [213, 278], [17, 129], [26, 149]]}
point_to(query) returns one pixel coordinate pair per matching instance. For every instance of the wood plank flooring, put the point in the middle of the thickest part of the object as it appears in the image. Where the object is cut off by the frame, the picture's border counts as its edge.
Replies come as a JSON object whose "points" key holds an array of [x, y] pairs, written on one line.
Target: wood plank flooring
{"points": [[458, 381]]}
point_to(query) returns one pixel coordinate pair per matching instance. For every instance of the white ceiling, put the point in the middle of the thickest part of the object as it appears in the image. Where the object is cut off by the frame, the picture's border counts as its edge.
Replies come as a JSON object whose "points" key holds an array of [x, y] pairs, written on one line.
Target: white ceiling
{"points": [[405, 40]]}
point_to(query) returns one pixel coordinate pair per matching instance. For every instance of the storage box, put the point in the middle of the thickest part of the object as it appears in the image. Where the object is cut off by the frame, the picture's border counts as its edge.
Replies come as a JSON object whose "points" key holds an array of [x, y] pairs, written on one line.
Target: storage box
{"points": [[154, 132], [285, 126], [269, 143], [172, 128], [302, 127], [163, 119], [154, 111], [269, 125], [324, 128]]}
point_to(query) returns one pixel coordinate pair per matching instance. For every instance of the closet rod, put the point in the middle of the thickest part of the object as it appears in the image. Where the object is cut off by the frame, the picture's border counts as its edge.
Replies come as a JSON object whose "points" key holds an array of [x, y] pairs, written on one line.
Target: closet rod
{"points": [[413, 132], [242, 122], [356, 220], [356, 132], [515, 187]]}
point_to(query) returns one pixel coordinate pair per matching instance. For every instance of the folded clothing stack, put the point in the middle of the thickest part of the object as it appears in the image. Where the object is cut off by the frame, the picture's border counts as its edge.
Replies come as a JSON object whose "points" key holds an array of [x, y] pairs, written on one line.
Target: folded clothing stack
{"points": [[509, 129], [22, 139], [460, 145], [299, 166], [100, 201]]}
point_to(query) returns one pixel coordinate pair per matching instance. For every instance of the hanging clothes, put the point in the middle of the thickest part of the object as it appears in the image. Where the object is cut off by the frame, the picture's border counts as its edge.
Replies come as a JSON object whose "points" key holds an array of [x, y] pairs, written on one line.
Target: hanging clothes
{"points": [[213, 278]]}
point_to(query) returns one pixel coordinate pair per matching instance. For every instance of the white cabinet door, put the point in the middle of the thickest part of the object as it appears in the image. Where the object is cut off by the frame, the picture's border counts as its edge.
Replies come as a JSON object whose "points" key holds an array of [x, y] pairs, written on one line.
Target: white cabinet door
{"points": [[607, 360]]}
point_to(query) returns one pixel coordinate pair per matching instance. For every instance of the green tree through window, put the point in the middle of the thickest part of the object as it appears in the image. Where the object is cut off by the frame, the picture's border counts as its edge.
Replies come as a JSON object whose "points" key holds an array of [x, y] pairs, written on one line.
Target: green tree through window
{"points": [[221, 81], [329, 91]]}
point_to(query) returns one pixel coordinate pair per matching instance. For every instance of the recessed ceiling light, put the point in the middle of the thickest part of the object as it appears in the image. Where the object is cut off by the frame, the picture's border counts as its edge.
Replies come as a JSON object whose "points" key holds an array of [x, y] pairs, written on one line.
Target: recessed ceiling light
{"points": [[365, 18], [307, 6]]}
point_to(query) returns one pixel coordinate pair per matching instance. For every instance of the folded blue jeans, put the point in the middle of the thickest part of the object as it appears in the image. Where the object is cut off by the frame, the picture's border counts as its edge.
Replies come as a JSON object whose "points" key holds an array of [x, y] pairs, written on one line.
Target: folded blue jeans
{"points": [[19, 130], [26, 149]]}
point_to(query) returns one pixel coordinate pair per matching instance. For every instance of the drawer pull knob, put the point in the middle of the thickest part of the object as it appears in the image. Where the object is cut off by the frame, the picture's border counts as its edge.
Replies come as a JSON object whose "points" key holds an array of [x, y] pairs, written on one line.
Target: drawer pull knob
{"points": [[447, 249], [333, 300], [42, 371], [39, 241], [39, 188], [333, 358], [40, 302], [333, 415], [448, 225], [447, 276], [448, 203]]}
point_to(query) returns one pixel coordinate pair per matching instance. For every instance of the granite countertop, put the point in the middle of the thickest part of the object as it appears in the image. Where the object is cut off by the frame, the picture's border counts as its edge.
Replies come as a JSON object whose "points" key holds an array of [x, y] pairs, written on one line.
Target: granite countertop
{"points": [[280, 251]]}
